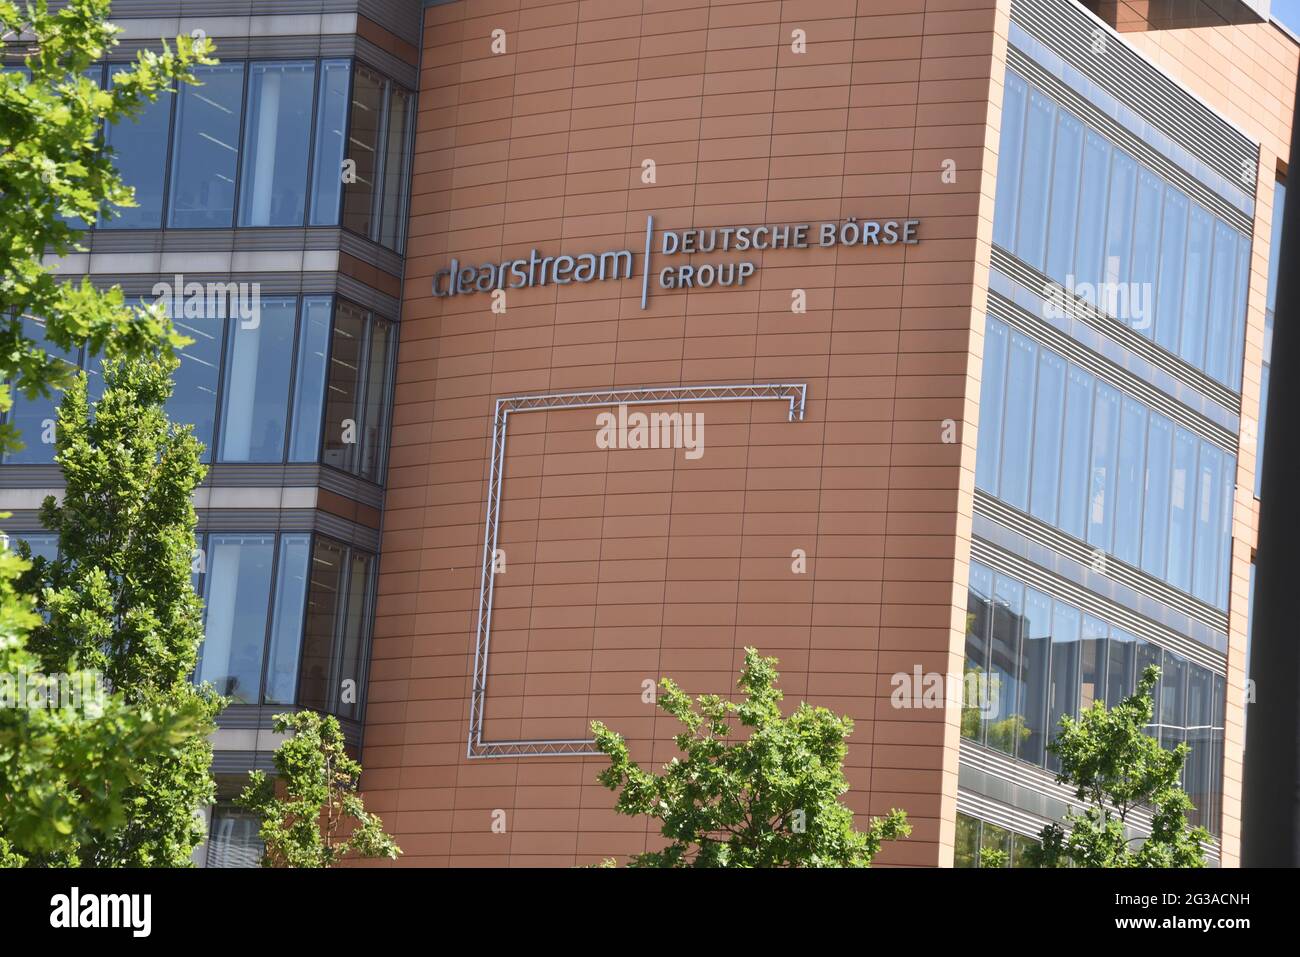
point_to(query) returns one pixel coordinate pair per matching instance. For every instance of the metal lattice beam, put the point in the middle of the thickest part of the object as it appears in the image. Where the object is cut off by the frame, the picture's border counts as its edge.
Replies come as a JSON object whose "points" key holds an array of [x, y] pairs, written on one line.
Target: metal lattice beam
{"points": [[796, 394]]}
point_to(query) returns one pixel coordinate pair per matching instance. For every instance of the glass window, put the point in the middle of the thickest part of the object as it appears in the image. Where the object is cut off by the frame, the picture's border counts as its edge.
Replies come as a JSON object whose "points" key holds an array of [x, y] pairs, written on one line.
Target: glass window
{"points": [[331, 124], [1119, 228], [1020, 848], [347, 352], [233, 839], [1155, 518], [979, 617], [1148, 654], [1018, 417], [1063, 222], [359, 212], [1048, 412], [1034, 655], [309, 382], [1105, 445], [1131, 477], [1031, 236], [237, 592], [205, 148], [400, 117], [1214, 802], [998, 699], [994, 838], [1239, 314], [1229, 488], [1092, 199], [1092, 661], [259, 358], [1223, 289], [36, 419], [1196, 773], [324, 612], [1074, 460], [348, 686], [966, 853], [1173, 251], [1196, 287], [1146, 251], [1173, 699], [1009, 153], [989, 453], [375, 428], [140, 156], [291, 578], [1063, 692], [1181, 503], [1209, 499], [1121, 660], [194, 398], [41, 544], [273, 190]]}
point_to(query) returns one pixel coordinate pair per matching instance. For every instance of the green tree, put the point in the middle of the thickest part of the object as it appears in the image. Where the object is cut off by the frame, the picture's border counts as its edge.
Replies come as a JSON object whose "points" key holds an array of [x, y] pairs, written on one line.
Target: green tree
{"points": [[306, 827], [768, 796], [120, 599], [65, 767], [63, 771], [1115, 767], [54, 171]]}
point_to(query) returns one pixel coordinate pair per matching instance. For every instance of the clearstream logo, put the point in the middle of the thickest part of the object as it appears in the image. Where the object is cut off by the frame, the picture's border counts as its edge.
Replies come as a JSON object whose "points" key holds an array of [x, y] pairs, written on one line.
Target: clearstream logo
{"points": [[618, 264]]}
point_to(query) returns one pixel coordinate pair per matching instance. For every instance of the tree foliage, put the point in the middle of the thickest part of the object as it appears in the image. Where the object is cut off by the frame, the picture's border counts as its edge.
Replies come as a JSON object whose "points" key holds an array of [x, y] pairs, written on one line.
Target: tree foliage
{"points": [[120, 599], [321, 818], [767, 796], [1114, 767], [54, 170], [65, 772]]}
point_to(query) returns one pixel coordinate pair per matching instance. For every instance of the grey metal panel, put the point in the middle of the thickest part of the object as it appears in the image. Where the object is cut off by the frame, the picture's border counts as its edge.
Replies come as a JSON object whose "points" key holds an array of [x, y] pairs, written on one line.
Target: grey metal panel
{"points": [[1111, 611], [241, 762], [1012, 314], [372, 253], [364, 295], [1119, 574], [289, 520], [403, 18], [1016, 795], [404, 73], [1035, 281], [31, 476], [1132, 144], [1069, 29]]}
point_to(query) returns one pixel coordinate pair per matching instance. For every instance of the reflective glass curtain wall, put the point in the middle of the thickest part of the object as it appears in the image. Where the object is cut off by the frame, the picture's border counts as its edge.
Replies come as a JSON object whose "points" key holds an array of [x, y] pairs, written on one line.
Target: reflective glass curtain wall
{"points": [[271, 143], [286, 619], [1045, 659], [309, 380], [1068, 448], [1081, 210]]}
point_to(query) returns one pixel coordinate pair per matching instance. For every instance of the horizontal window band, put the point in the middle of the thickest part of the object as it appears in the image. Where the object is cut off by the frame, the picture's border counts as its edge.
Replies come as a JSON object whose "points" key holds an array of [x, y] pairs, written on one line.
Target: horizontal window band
{"points": [[999, 559], [983, 769], [1004, 310], [1035, 281], [1070, 31], [1147, 155]]}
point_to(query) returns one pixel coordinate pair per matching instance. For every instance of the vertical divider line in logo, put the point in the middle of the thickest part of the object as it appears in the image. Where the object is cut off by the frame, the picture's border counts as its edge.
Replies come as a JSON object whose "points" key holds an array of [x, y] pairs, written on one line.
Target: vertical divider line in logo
{"points": [[645, 265]]}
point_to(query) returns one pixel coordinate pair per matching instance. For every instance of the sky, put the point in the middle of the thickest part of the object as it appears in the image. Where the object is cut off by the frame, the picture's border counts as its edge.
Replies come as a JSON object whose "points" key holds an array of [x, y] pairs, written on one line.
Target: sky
{"points": [[1288, 11]]}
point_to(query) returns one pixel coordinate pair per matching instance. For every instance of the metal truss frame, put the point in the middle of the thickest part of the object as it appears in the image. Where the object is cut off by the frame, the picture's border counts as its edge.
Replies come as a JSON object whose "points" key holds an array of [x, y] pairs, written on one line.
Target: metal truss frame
{"points": [[796, 394]]}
